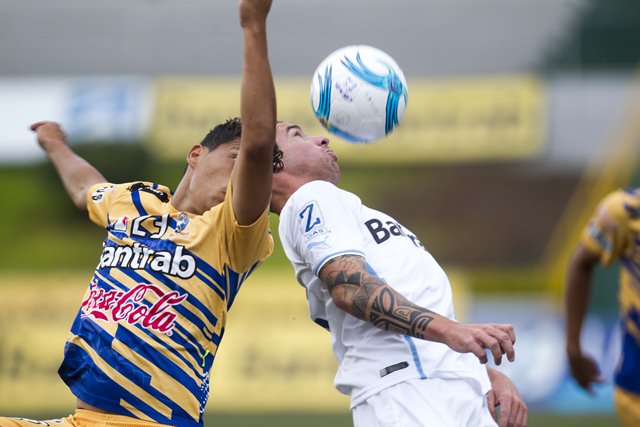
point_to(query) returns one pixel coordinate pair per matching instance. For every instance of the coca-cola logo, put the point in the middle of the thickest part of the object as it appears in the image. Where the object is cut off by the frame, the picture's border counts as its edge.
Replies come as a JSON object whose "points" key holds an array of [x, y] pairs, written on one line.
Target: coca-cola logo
{"points": [[130, 306]]}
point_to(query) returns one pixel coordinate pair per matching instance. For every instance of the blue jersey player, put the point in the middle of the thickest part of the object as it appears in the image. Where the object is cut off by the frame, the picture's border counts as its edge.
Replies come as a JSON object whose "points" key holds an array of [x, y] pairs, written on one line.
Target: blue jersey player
{"points": [[153, 314]]}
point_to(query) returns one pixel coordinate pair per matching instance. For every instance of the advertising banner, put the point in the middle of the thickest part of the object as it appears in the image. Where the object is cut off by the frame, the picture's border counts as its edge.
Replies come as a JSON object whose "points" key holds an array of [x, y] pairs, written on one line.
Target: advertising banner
{"points": [[482, 118]]}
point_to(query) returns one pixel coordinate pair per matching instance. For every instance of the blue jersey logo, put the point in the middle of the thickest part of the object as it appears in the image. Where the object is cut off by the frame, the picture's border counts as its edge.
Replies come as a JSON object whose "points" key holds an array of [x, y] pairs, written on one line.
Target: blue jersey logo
{"points": [[311, 222]]}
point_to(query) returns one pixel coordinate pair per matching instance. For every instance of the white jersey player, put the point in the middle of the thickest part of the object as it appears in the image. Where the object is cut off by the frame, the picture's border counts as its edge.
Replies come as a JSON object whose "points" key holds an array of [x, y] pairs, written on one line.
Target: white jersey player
{"points": [[403, 358]]}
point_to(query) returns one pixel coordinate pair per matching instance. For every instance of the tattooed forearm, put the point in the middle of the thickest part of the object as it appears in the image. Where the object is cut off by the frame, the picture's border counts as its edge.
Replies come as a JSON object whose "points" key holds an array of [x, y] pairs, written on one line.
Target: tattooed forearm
{"points": [[369, 298]]}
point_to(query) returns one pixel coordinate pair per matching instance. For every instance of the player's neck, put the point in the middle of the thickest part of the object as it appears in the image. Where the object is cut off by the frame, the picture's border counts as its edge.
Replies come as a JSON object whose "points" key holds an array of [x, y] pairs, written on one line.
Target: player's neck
{"points": [[283, 187], [181, 200], [278, 200]]}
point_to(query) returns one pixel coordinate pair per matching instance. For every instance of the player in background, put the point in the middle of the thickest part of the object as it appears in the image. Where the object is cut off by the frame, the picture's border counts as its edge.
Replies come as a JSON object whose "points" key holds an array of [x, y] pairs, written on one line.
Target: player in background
{"points": [[145, 338], [612, 234], [403, 359]]}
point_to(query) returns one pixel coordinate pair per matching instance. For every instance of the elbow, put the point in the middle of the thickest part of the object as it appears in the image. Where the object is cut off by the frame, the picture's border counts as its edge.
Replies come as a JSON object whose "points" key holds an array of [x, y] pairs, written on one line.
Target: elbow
{"points": [[81, 204], [582, 262], [340, 299], [340, 303], [79, 199]]}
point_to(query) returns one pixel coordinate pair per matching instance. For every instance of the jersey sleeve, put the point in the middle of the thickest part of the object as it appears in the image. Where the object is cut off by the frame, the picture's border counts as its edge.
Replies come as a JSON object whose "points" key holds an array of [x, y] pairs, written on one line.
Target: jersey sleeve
{"points": [[247, 244], [608, 234], [323, 223], [100, 197]]}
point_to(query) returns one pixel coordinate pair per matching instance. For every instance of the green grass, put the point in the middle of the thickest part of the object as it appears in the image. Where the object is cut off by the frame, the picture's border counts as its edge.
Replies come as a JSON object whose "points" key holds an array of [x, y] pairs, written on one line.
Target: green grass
{"points": [[318, 420], [217, 419], [336, 420]]}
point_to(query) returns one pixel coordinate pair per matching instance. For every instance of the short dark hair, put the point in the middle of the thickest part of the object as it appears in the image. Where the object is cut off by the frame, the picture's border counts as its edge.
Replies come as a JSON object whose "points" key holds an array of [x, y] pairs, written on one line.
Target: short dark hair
{"points": [[224, 133], [231, 130]]}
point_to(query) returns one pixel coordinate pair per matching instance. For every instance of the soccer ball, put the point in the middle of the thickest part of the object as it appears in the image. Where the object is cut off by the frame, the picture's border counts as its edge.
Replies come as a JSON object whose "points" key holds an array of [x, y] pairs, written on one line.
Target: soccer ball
{"points": [[359, 93]]}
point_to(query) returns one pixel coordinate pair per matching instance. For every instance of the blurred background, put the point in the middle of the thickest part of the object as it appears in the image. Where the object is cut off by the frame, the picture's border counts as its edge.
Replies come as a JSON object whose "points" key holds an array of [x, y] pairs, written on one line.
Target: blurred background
{"points": [[521, 116]]}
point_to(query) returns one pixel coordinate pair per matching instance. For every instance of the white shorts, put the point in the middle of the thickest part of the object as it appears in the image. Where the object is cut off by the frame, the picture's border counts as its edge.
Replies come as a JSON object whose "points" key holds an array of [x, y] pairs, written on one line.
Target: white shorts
{"points": [[433, 402]]}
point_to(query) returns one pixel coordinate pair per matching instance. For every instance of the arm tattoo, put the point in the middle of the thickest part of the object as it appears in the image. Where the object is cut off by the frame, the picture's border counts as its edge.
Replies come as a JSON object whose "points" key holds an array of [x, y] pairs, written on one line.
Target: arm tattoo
{"points": [[369, 298]]}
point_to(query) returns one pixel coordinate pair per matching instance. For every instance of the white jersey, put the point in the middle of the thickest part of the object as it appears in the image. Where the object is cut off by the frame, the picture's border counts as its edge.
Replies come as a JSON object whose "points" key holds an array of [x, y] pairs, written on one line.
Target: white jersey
{"points": [[320, 222]]}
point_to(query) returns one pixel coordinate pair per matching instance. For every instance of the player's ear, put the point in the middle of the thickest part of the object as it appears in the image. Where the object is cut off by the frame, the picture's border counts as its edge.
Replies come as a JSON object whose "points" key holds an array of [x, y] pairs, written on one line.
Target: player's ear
{"points": [[194, 155]]}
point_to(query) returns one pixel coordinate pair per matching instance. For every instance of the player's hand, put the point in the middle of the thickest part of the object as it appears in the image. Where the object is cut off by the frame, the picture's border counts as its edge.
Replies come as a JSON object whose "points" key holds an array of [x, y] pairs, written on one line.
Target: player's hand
{"points": [[503, 394], [253, 12], [498, 338], [49, 135], [585, 370]]}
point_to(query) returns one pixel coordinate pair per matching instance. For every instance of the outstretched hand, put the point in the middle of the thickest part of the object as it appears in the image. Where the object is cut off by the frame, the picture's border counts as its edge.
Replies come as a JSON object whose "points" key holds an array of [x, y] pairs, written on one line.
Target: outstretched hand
{"points": [[475, 338], [253, 11], [585, 371], [49, 134]]}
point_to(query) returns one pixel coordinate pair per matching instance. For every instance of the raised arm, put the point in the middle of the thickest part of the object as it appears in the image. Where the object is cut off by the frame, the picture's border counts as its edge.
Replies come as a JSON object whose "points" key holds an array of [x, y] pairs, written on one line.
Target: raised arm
{"points": [[369, 298], [583, 368], [76, 173], [251, 177]]}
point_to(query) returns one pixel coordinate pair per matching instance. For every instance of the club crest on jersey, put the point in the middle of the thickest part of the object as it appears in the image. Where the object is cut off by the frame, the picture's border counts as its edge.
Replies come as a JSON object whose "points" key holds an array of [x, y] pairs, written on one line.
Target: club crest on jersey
{"points": [[133, 306], [182, 222], [119, 224], [98, 195], [311, 221]]}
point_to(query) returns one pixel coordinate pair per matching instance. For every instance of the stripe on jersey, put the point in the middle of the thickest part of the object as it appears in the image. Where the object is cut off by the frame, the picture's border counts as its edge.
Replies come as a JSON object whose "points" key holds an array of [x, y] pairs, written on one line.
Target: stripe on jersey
{"points": [[628, 372], [180, 358], [141, 403], [416, 358], [135, 198], [211, 284], [324, 260], [215, 280], [125, 374], [634, 270], [114, 382], [234, 281], [177, 374]]}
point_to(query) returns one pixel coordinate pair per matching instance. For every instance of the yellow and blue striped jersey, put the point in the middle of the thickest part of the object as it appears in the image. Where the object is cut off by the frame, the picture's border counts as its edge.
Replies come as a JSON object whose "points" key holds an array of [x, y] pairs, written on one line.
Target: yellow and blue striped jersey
{"points": [[614, 233], [151, 320]]}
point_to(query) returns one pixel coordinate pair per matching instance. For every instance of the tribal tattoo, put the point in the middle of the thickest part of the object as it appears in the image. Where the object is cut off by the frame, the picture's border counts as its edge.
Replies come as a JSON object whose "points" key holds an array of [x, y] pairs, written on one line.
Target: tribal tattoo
{"points": [[369, 298]]}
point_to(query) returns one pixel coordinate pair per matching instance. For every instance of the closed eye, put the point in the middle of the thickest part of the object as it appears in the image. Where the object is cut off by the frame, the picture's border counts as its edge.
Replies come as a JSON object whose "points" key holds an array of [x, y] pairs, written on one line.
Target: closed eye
{"points": [[296, 131]]}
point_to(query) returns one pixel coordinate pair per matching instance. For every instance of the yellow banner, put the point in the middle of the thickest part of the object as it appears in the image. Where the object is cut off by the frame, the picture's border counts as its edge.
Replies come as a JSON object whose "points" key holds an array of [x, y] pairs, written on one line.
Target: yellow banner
{"points": [[36, 312], [272, 358], [484, 118]]}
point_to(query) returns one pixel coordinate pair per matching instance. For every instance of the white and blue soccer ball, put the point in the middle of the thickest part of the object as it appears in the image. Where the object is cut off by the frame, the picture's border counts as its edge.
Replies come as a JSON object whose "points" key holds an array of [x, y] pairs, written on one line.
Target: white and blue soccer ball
{"points": [[359, 93]]}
